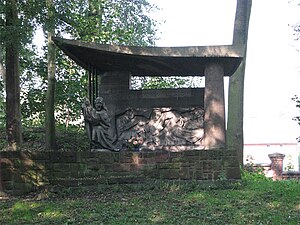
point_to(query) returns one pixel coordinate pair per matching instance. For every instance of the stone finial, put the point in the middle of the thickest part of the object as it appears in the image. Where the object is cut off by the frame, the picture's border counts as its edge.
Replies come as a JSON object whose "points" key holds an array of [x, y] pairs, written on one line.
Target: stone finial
{"points": [[276, 165]]}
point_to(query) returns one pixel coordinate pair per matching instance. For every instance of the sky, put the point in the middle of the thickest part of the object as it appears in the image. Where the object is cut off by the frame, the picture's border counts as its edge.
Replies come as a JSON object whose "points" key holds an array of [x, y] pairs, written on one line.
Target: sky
{"points": [[272, 74]]}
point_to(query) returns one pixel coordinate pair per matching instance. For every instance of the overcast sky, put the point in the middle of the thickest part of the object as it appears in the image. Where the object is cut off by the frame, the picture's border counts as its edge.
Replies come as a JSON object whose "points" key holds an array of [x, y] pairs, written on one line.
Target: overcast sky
{"points": [[272, 70]]}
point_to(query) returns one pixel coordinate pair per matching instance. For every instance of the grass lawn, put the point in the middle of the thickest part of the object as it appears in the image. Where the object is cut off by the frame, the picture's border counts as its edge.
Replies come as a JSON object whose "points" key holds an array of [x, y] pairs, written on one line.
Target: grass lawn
{"points": [[252, 201]]}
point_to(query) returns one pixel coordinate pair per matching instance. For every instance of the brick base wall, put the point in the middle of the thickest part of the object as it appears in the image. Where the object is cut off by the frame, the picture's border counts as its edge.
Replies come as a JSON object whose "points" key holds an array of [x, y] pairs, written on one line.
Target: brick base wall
{"points": [[285, 175], [291, 175], [21, 172]]}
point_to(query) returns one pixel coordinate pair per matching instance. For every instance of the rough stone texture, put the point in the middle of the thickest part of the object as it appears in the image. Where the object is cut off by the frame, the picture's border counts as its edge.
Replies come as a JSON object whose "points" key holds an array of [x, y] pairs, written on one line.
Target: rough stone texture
{"points": [[277, 165], [235, 113], [132, 113], [21, 172], [116, 64], [121, 99], [151, 61], [214, 119], [173, 129], [291, 175]]}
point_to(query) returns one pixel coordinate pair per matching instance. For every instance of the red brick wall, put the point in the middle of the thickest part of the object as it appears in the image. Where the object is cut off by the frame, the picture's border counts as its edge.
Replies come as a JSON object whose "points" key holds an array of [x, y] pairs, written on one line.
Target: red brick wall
{"points": [[24, 171], [290, 175]]}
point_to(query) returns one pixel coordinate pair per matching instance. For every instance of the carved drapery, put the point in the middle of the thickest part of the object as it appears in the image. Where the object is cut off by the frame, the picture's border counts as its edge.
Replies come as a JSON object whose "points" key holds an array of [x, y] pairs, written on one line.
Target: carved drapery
{"points": [[168, 128]]}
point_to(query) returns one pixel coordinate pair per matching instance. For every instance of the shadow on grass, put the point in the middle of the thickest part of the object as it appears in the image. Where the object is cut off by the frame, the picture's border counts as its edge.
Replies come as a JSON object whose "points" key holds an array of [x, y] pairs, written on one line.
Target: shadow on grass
{"points": [[159, 202]]}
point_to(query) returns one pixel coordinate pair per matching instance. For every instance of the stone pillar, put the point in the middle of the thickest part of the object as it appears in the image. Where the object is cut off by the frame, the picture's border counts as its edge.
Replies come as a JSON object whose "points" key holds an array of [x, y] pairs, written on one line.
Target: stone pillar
{"points": [[115, 81], [277, 165], [114, 88], [214, 106]]}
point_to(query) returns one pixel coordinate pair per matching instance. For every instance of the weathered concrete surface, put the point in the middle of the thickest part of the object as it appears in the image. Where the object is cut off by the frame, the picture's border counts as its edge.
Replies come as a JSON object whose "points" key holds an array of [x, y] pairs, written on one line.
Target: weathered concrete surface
{"points": [[235, 133], [151, 61], [214, 106]]}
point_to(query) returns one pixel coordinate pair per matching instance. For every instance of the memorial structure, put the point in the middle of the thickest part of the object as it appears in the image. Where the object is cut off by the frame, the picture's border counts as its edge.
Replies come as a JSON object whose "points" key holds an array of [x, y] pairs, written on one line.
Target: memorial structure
{"points": [[179, 133], [171, 119]]}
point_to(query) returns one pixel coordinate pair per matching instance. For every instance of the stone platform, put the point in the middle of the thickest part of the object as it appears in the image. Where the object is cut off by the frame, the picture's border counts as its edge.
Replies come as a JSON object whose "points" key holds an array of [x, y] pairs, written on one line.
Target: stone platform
{"points": [[21, 172]]}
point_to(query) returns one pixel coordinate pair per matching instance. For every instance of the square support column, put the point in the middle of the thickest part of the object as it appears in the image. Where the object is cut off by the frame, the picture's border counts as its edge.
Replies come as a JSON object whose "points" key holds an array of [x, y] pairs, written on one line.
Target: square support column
{"points": [[113, 86], [115, 82], [214, 106]]}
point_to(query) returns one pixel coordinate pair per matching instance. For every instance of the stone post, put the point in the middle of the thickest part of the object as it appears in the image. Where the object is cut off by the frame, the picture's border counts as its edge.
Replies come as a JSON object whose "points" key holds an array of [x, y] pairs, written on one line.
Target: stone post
{"points": [[114, 85], [277, 165], [214, 106], [115, 81]]}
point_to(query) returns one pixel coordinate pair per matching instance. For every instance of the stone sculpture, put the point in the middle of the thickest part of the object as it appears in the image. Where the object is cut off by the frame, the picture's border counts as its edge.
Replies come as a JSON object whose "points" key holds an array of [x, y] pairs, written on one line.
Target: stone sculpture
{"points": [[98, 125], [162, 127], [86, 111], [159, 128]]}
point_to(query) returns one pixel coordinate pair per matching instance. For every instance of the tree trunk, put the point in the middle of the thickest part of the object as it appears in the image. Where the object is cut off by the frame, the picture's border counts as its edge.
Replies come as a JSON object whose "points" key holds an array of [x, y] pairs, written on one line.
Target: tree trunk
{"points": [[13, 112], [2, 67], [50, 97], [235, 134]]}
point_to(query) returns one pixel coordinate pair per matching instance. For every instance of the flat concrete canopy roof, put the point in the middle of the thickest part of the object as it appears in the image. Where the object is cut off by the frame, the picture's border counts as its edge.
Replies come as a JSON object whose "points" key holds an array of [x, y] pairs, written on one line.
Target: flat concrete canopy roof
{"points": [[151, 61]]}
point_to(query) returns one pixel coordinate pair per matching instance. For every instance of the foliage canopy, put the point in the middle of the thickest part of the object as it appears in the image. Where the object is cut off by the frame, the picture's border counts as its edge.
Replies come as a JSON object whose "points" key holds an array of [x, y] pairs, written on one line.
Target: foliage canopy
{"points": [[124, 22]]}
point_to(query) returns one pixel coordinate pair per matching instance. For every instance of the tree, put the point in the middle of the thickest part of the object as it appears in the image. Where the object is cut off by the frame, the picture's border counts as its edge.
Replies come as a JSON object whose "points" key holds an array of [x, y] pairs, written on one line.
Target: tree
{"points": [[235, 134], [113, 22], [12, 48], [16, 29], [50, 97], [118, 22], [123, 22], [157, 82], [2, 85]]}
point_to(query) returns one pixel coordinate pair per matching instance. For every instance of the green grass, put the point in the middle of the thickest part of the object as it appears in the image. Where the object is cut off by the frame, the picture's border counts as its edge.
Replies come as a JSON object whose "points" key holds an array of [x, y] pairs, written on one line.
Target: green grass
{"points": [[248, 202]]}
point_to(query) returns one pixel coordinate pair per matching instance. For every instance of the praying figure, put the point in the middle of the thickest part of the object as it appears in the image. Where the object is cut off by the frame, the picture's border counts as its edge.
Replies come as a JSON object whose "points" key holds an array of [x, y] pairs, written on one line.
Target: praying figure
{"points": [[98, 119]]}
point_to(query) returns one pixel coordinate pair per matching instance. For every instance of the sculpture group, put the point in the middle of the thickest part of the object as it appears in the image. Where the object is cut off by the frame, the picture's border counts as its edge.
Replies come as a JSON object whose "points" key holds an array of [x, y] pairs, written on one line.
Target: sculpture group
{"points": [[158, 128]]}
